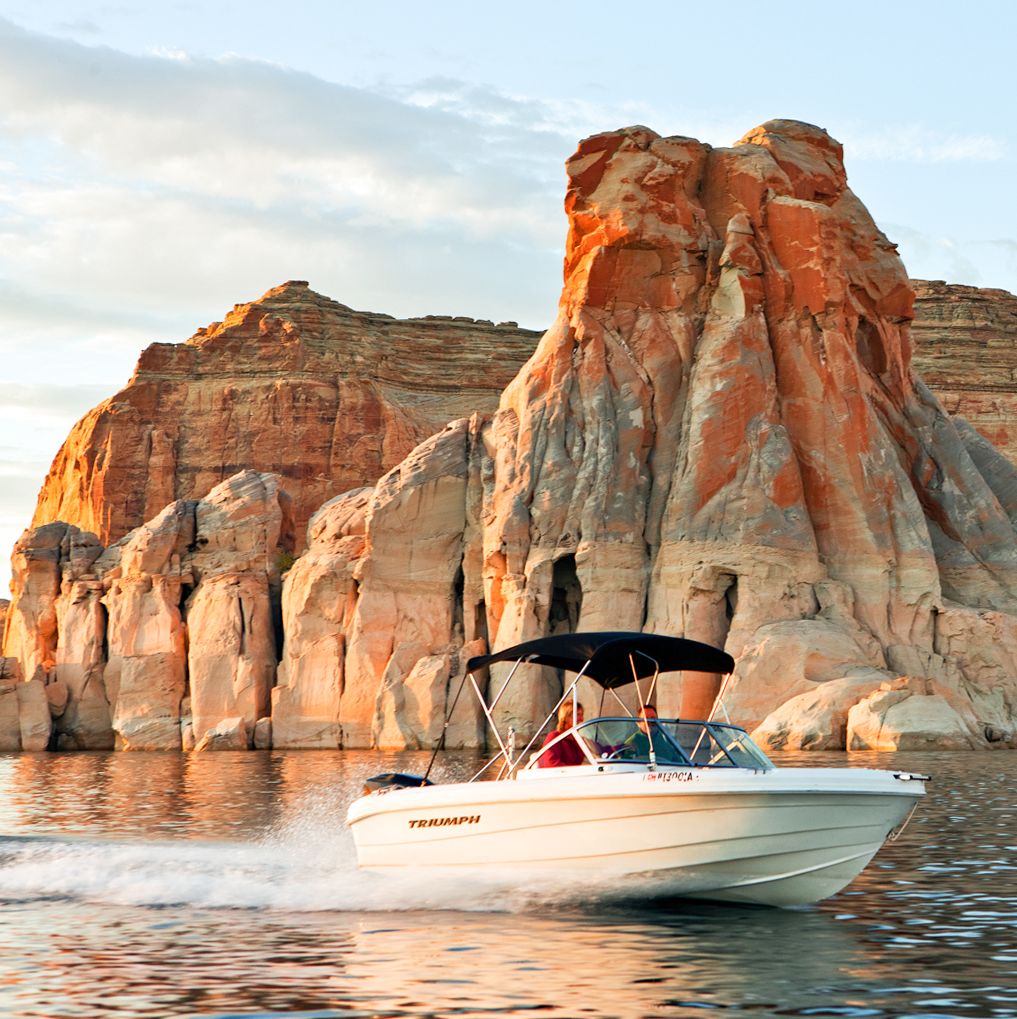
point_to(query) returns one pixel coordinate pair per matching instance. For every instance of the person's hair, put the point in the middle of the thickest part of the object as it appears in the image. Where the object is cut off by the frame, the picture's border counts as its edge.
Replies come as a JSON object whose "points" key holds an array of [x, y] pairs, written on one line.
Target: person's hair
{"points": [[650, 707], [565, 717]]}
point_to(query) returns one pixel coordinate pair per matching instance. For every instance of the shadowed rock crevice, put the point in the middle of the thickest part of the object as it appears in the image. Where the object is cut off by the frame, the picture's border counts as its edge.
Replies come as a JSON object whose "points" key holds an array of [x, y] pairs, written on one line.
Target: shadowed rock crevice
{"points": [[566, 596]]}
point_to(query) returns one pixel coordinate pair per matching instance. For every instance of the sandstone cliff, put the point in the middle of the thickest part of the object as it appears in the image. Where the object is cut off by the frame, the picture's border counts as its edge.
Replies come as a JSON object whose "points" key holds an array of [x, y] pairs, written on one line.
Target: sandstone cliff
{"points": [[295, 384], [966, 351], [720, 436], [165, 638]]}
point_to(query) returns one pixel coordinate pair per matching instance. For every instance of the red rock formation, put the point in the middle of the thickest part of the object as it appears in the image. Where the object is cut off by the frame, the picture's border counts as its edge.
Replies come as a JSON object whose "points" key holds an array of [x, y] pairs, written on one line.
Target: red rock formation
{"points": [[54, 633], [966, 352], [321, 593], [721, 436], [241, 529], [296, 384], [157, 641]]}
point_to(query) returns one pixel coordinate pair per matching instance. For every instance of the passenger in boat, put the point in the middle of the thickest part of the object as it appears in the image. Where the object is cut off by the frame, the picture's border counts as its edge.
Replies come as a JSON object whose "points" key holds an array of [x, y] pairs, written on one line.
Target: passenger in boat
{"points": [[567, 753], [638, 744]]}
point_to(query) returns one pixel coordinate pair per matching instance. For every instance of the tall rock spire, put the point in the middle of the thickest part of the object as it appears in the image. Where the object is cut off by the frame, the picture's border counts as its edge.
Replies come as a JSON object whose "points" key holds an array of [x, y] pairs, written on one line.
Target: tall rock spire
{"points": [[719, 436]]}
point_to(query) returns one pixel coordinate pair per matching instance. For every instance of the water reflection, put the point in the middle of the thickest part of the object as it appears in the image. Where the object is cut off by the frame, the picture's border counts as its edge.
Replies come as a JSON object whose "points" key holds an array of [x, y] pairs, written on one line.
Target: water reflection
{"points": [[220, 884], [158, 795]]}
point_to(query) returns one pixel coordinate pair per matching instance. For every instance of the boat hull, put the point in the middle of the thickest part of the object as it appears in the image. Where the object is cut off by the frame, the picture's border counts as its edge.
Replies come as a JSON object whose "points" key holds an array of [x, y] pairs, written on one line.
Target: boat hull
{"points": [[781, 837]]}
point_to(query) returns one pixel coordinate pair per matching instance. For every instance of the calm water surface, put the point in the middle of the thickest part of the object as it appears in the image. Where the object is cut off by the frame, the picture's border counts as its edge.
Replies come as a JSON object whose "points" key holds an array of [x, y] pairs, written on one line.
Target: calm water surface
{"points": [[225, 885]]}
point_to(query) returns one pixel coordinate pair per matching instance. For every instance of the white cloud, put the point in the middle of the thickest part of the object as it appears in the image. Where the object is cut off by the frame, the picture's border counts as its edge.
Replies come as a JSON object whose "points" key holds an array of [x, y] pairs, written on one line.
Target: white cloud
{"points": [[978, 263], [915, 143], [248, 132], [142, 195], [148, 183]]}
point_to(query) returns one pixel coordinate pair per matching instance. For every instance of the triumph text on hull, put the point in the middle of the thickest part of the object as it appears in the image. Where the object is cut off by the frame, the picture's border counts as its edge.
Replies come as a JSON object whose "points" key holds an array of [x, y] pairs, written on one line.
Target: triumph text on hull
{"points": [[656, 806]]}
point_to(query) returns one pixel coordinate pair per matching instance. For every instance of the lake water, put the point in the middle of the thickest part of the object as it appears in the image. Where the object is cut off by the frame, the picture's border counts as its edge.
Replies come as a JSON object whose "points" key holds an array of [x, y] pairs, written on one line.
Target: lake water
{"points": [[225, 885]]}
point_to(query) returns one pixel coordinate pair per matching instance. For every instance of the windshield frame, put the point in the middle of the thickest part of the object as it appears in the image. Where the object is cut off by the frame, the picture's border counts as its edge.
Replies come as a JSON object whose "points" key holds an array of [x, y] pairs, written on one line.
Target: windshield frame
{"points": [[729, 736]]}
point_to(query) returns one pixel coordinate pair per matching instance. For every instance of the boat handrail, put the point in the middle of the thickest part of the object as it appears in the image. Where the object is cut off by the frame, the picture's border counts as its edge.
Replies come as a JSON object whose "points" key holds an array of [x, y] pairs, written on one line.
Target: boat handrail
{"points": [[570, 691]]}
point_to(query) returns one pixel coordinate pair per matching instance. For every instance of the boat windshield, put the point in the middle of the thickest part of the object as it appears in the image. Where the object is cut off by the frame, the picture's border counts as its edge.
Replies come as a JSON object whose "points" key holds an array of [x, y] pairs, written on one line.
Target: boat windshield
{"points": [[697, 744], [715, 745], [626, 739]]}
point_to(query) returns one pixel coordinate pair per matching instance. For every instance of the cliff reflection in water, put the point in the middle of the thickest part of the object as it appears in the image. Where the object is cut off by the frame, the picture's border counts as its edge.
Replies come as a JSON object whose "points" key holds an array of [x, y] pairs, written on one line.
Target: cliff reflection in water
{"points": [[223, 883], [210, 796]]}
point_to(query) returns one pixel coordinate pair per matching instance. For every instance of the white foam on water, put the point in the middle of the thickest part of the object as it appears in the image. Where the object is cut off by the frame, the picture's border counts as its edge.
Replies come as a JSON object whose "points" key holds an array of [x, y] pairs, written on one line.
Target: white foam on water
{"points": [[306, 864]]}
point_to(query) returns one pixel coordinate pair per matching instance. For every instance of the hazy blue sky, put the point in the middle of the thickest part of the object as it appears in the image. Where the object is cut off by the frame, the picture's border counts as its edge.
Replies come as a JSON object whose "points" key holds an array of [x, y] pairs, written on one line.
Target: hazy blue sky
{"points": [[161, 162]]}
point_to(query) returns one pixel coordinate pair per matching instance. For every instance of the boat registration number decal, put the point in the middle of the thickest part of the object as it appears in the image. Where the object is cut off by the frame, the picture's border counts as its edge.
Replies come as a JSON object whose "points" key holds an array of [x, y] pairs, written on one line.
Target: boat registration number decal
{"points": [[440, 822], [670, 776]]}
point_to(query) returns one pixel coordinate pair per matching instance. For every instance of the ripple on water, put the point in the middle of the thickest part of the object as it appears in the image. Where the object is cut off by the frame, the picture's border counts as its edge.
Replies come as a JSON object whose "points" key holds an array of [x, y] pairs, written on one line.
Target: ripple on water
{"points": [[219, 885]]}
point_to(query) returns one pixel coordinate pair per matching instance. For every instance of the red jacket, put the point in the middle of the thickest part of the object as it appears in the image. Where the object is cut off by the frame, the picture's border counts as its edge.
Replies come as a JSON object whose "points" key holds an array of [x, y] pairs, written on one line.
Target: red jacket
{"points": [[564, 754]]}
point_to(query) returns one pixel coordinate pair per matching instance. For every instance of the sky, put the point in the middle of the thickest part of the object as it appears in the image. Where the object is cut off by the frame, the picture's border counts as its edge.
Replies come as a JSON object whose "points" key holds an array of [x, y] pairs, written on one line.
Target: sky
{"points": [[160, 163]]}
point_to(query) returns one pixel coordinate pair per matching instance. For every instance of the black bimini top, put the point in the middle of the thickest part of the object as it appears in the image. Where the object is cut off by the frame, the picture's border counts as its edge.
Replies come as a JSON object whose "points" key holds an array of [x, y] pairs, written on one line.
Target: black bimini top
{"points": [[609, 655]]}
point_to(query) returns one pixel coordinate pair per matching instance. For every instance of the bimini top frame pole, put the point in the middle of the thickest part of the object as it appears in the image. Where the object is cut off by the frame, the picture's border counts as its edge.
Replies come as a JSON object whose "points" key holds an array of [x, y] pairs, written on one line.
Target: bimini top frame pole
{"points": [[569, 691], [602, 657]]}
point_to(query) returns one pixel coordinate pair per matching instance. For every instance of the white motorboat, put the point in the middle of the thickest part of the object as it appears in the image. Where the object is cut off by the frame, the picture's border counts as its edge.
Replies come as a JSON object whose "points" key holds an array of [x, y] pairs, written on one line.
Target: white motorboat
{"points": [[655, 806]]}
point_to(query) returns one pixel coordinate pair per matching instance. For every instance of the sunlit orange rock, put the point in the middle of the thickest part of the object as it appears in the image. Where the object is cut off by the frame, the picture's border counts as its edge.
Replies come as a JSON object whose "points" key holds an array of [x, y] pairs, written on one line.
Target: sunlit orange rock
{"points": [[965, 341], [227, 734], [912, 713], [10, 716], [146, 675], [243, 533], [720, 436], [172, 629], [319, 594], [295, 384], [403, 629]]}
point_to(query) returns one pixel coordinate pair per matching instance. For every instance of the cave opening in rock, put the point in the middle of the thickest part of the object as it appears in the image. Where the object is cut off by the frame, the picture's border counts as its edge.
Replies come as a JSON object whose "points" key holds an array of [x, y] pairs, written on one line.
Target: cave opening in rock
{"points": [[566, 597], [458, 612], [276, 615], [869, 345], [104, 624], [730, 603], [480, 631]]}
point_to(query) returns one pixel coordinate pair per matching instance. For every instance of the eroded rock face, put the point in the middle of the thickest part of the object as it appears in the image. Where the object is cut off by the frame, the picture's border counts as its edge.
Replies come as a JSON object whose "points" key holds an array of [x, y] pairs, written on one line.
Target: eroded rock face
{"points": [[294, 384], [37, 563], [319, 594], [79, 697], [913, 714], [10, 716], [966, 351], [242, 527], [404, 624], [146, 674], [171, 628], [228, 734], [721, 436]]}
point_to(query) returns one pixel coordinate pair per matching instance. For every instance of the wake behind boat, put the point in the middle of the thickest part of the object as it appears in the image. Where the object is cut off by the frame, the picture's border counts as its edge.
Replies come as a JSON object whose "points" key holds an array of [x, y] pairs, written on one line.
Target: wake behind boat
{"points": [[659, 806]]}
